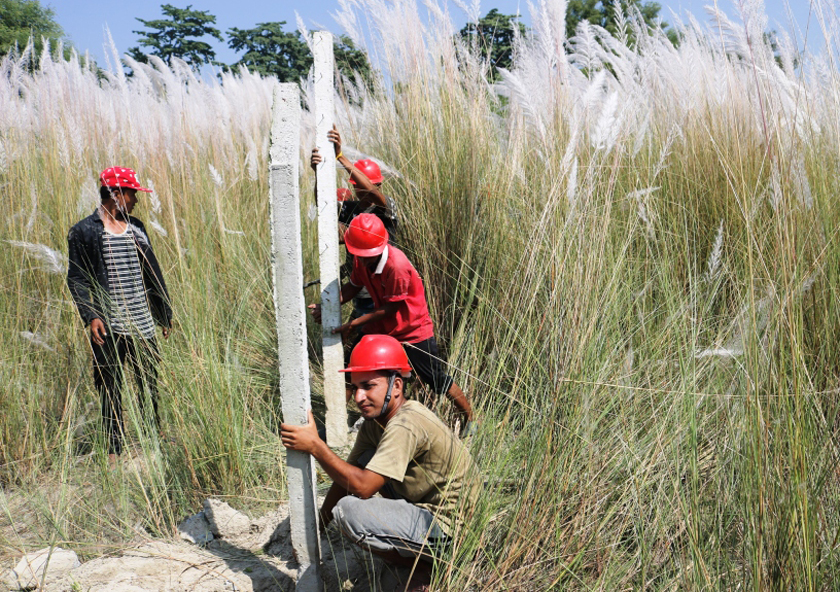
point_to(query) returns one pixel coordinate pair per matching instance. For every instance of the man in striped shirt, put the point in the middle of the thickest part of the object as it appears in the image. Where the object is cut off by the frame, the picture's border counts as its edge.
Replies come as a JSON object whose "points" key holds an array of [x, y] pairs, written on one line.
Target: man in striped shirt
{"points": [[117, 285]]}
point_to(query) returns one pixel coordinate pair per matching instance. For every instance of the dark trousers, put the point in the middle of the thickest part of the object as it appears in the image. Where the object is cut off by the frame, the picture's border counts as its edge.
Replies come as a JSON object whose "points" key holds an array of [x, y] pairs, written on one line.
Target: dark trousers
{"points": [[141, 356], [428, 366]]}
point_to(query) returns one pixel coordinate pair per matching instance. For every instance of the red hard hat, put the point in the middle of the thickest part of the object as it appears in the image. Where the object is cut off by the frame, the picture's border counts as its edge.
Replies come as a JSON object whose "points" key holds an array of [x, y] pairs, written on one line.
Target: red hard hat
{"points": [[370, 169], [366, 236], [120, 177], [379, 352], [343, 194]]}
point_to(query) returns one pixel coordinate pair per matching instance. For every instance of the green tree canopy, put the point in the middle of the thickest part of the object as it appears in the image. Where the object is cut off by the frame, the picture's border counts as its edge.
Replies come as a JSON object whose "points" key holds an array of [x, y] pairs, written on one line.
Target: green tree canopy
{"points": [[604, 14], [22, 19], [351, 60], [493, 35], [273, 52], [179, 36]]}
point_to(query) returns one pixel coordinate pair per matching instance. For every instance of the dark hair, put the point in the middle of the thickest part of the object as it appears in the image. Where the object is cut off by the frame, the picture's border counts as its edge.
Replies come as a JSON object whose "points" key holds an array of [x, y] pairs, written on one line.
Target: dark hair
{"points": [[106, 192]]}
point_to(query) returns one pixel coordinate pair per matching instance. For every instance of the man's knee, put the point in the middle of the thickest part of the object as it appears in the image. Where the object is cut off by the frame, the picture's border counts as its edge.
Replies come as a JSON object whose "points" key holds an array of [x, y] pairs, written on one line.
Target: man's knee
{"points": [[384, 526], [347, 515]]}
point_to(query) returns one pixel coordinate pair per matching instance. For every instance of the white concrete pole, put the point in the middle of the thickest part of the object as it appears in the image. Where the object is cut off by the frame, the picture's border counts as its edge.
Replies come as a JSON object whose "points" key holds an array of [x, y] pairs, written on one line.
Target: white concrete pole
{"points": [[328, 241], [290, 309]]}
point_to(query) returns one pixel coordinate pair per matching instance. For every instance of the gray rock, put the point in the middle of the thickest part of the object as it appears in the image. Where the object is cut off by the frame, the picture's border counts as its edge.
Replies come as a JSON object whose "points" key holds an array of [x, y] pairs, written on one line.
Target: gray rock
{"points": [[55, 562], [196, 530], [224, 521]]}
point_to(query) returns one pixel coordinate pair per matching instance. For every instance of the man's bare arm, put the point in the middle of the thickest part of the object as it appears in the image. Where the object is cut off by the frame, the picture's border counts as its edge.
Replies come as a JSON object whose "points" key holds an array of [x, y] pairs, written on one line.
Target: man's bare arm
{"points": [[362, 181], [350, 478]]}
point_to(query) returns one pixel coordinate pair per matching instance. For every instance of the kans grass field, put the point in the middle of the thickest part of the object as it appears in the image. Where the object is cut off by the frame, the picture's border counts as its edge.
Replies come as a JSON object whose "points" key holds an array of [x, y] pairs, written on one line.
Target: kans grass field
{"points": [[631, 256]]}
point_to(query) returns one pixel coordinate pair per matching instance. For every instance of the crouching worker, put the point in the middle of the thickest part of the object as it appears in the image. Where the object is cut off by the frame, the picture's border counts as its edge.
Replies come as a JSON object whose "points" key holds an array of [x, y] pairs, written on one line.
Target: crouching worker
{"points": [[404, 452]]}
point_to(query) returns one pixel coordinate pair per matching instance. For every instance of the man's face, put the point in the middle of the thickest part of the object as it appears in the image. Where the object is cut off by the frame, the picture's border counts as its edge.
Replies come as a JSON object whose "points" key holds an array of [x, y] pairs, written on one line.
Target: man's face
{"points": [[369, 262], [125, 199], [364, 195], [371, 388]]}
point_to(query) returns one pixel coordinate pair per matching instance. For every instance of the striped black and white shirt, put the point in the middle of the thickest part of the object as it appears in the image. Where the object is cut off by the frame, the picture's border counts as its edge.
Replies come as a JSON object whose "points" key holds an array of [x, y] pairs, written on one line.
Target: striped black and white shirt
{"points": [[129, 314]]}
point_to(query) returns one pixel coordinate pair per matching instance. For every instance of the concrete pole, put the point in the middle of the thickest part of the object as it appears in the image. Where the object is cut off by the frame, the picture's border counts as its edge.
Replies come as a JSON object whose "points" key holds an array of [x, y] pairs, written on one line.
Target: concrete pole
{"points": [[290, 309], [328, 241]]}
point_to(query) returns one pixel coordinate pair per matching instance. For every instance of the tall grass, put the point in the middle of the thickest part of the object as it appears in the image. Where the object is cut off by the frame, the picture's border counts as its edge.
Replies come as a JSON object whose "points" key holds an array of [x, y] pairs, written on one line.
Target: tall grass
{"points": [[631, 257]]}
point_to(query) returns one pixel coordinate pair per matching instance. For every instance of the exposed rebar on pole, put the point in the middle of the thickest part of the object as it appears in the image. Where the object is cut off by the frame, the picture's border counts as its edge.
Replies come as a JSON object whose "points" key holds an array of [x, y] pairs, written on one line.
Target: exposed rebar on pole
{"points": [[336, 422], [290, 309]]}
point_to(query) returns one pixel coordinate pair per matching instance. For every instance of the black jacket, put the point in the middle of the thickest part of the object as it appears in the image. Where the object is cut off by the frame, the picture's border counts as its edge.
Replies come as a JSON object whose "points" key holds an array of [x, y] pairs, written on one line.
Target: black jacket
{"points": [[87, 275]]}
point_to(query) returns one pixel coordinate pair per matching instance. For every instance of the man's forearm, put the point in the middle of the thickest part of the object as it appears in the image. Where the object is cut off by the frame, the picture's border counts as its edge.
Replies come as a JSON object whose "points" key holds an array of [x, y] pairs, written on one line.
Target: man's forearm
{"points": [[362, 181], [388, 310], [370, 317], [347, 292], [349, 478]]}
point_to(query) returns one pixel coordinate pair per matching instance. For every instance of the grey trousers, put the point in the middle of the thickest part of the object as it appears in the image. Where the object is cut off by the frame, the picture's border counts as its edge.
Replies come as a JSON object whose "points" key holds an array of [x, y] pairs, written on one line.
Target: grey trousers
{"points": [[384, 525]]}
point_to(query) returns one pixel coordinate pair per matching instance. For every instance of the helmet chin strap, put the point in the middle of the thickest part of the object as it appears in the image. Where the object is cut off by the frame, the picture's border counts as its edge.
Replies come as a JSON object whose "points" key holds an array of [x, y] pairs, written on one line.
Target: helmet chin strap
{"points": [[388, 395]]}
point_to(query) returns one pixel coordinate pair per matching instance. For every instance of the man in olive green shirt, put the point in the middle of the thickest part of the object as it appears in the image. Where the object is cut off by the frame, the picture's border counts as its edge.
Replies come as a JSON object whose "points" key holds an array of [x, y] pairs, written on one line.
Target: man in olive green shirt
{"points": [[404, 452]]}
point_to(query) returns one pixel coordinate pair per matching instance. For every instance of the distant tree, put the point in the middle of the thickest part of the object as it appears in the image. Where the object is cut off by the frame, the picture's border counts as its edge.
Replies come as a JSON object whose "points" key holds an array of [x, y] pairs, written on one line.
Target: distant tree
{"points": [[351, 60], [604, 14], [22, 19], [273, 52], [493, 35], [270, 51], [179, 36]]}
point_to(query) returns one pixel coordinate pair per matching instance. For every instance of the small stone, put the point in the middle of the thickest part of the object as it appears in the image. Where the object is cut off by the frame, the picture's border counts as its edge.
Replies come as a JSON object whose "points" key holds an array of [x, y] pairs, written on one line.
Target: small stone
{"points": [[55, 562], [224, 521], [196, 530]]}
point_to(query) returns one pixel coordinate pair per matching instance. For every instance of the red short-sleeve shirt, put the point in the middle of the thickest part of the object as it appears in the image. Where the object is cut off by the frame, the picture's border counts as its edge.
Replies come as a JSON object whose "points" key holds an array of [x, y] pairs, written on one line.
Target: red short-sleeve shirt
{"points": [[396, 280]]}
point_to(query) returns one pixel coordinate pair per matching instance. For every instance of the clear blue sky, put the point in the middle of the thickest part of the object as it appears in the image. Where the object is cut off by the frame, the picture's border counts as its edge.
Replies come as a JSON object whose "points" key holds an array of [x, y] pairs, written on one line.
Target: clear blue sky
{"points": [[84, 20]]}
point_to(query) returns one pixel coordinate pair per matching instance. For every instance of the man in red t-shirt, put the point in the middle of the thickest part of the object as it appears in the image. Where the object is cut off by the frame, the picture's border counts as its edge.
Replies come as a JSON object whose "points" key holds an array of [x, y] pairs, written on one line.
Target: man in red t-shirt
{"points": [[400, 308]]}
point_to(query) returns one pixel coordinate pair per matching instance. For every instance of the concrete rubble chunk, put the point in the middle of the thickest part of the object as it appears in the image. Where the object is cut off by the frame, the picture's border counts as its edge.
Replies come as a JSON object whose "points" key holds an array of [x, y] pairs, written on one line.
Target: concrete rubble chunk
{"points": [[224, 521], [160, 566], [196, 529], [259, 559], [30, 570]]}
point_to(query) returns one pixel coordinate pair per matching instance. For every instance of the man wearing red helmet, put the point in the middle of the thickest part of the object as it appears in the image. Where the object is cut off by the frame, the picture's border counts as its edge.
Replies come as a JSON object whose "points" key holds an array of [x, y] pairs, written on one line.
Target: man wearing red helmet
{"points": [[366, 178], [404, 452], [117, 285], [400, 308]]}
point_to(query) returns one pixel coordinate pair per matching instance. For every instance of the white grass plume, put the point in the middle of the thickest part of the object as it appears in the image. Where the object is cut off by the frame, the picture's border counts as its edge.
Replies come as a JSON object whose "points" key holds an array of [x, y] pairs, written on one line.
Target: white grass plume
{"points": [[251, 162], [88, 199], [587, 52], [571, 193], [304, 32], [154, 200], [608, 126], [157, 227], [55, 262], [645, 213], [36, 339], [33, 213], [800, 182], [713, 263], [217, 177], [473, 11], [742, 325]]}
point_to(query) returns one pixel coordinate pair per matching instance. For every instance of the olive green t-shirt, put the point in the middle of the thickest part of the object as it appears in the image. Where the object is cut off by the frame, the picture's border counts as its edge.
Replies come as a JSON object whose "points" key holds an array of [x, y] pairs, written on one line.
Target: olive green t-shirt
{"points": [[427, 465]]}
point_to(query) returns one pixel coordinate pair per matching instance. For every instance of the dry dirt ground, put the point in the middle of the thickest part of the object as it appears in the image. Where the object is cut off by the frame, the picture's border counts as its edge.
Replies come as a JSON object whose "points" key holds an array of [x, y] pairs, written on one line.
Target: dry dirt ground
{"points": [[244, 555]]}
